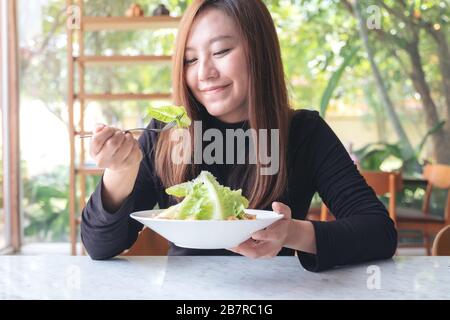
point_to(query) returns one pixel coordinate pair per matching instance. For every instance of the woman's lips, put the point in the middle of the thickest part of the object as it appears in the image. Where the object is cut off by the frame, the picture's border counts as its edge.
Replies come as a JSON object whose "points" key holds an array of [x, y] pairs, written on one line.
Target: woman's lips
{"points": [[214, 91]]}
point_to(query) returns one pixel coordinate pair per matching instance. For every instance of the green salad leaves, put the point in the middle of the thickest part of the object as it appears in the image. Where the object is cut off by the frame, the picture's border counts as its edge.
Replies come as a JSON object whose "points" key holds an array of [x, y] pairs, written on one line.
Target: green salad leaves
{"points": [[171, 113], [206, 199]]}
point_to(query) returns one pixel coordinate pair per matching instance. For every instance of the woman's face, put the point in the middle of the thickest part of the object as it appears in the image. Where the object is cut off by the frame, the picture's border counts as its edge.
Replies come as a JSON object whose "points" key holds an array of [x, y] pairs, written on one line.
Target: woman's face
{"points": [[215, 66]]}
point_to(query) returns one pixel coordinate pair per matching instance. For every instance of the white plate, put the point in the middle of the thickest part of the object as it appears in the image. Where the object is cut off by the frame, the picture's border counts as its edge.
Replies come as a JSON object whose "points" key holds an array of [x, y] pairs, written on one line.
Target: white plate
{"points": [[207, 234]]}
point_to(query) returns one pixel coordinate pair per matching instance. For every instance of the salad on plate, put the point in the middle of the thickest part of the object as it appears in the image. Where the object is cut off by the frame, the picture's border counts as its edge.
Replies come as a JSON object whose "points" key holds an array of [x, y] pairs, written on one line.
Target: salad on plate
{"points": [[206, 199]]}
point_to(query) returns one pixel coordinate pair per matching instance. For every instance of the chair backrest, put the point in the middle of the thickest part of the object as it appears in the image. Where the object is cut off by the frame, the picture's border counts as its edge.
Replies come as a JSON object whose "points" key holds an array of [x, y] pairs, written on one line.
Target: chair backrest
{"points": [[148, 243], [382, 183], [437, 175], [441, 244], [385, 183]]}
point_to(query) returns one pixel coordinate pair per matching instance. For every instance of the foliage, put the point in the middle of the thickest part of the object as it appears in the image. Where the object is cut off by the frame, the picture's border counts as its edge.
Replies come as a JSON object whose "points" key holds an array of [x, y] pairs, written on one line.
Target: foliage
{"points": [[388, 157], [334, 80], [45, 205], [46, 211]]}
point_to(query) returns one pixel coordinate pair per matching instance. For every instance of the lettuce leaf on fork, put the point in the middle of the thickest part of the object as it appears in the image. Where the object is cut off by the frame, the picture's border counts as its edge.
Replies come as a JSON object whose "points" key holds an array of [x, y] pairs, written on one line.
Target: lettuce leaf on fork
{"points": [[170, 113], [205, 199]]}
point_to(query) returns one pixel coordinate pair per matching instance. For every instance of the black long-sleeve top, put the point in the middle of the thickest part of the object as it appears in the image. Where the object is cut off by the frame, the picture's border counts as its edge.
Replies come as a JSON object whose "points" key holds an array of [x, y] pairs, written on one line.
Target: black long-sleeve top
{"points": [[317, 162]]}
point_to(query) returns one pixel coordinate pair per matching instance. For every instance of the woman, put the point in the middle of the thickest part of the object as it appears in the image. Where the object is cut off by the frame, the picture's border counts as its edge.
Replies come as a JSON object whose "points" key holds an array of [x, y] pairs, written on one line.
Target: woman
{"points": [[228, 73]]}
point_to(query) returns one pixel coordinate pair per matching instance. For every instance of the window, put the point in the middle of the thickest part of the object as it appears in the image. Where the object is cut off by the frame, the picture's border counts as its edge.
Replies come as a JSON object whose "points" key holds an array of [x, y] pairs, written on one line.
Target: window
{"points": [[43, 102], [9, 190]]}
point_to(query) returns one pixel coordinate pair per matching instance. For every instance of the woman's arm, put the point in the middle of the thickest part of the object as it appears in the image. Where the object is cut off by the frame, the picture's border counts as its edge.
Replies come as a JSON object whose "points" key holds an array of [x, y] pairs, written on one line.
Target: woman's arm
{"points": [[107, 228], [117, 186], [363, 230], [301, 236]]}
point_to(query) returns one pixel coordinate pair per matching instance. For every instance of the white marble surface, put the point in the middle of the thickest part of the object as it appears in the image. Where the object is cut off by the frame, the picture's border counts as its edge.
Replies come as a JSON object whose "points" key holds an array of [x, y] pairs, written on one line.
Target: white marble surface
{"points": [[65, 277]]}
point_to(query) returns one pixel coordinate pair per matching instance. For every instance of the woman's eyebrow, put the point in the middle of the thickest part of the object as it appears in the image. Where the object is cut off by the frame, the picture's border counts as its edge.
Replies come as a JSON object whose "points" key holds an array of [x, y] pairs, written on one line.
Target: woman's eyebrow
{"points": [[224, 37], [215, 39]]}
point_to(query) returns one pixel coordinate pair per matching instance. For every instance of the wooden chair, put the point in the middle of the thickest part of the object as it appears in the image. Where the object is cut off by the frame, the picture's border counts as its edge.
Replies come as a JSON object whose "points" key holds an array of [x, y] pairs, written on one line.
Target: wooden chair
{"points": [[314, 213], [441, 244], [148, 243], [382, 183], [437, 176]]}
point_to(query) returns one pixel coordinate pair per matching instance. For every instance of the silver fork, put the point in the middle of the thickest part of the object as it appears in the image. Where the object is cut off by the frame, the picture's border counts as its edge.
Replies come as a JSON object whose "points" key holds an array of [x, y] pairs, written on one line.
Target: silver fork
{"points": [[168, 126]]}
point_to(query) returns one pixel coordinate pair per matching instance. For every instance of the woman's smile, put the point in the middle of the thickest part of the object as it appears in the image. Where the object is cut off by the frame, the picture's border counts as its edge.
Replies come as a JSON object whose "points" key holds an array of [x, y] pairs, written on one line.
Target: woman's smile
{"points": [[215, 90]]}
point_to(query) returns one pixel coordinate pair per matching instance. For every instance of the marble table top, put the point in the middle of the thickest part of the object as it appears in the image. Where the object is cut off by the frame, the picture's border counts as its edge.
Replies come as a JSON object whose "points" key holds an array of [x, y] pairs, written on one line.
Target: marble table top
{"points": [[188, 277]]}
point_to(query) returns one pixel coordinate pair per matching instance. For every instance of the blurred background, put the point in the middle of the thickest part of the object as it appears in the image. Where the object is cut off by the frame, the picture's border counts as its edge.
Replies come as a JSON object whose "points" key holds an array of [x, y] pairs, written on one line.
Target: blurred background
{"points": [[378, 72]]}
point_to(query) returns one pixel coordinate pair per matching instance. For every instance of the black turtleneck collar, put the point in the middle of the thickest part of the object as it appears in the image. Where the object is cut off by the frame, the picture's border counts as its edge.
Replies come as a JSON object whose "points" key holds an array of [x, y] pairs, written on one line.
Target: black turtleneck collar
{"points": [[213, 122]]}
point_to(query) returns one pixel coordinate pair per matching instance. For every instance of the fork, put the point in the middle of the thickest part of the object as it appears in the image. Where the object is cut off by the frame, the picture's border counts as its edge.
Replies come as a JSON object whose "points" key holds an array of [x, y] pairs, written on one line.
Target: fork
{"points": [[168, 126]]}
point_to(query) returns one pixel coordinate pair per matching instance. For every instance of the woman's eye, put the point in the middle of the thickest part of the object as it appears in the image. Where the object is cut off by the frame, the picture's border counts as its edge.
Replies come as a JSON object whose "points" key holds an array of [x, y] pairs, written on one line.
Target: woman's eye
{"points": [[193, 60], [221, 52], [189, 61]]}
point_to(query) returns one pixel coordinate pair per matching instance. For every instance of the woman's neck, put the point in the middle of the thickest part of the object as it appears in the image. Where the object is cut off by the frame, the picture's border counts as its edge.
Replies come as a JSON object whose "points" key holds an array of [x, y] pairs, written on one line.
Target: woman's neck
{"points": [[235, 116]]}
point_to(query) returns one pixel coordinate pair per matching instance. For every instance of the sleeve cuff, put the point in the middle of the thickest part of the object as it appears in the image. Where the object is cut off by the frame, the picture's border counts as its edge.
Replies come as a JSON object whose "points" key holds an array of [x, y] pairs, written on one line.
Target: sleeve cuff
{"points": [[106, 216], [319, 261]]}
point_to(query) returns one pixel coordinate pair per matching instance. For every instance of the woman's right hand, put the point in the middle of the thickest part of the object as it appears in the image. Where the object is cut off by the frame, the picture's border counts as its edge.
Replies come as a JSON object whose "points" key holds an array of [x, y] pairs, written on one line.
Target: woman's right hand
{"points": [[114, 150]]}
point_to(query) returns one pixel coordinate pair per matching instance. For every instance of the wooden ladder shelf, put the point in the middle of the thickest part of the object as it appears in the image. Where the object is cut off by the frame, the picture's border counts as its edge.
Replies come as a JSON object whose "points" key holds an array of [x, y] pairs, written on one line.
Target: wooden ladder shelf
{"points": [[82, 61]]}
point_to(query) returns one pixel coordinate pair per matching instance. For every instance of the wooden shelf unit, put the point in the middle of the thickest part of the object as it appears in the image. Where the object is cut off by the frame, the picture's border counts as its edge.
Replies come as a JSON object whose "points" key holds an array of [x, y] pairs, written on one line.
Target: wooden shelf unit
{"points": [[128, 23], [81, 62], [107, 61], [122, 96], [90, 171]]}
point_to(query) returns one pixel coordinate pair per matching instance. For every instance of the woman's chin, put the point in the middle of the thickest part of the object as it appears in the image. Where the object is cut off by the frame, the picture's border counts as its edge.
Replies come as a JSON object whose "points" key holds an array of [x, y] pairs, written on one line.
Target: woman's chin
{"points": [[217, 110]]}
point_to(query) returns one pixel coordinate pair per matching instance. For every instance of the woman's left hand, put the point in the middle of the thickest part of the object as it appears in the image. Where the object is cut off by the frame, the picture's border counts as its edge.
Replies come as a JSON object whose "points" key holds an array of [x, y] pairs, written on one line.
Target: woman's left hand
{"points": [[268, 242]]}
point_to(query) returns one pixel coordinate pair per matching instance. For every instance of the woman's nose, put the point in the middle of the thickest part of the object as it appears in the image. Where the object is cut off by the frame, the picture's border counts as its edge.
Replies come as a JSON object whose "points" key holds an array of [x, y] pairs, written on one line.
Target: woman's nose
{"points": [[207, 70]]}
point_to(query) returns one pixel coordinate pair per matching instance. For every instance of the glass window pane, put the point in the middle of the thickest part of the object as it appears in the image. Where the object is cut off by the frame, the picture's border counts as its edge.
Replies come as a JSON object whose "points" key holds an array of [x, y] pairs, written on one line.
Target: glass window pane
{"points": [[44, 166], [43, 102]]}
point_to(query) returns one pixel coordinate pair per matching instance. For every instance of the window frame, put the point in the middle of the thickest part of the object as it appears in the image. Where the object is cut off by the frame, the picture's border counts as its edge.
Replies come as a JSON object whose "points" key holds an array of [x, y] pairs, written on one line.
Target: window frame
{"points": [[9, 99]]}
